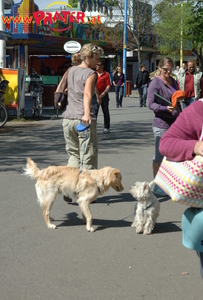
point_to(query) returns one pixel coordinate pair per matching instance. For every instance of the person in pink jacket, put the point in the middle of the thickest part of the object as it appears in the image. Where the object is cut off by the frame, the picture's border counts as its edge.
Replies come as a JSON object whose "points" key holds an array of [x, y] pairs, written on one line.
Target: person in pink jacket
{"points": [[181, 141]]}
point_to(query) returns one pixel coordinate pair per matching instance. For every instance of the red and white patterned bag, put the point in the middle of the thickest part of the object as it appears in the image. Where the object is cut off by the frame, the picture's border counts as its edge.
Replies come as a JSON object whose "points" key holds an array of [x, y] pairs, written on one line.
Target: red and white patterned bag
{"points": [[182, 181]]}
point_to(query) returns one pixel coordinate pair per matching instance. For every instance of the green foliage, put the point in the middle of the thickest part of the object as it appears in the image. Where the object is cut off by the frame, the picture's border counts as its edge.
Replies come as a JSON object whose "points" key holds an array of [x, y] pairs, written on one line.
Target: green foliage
{"points": [[176, 22], [73, 3], [172, 25], [197, 23], [112, 2]]}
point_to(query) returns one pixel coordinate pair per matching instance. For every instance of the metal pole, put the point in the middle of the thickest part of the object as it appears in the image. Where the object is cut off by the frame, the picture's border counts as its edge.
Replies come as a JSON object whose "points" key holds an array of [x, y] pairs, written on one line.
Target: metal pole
{"points": [[181, 37], [125, 44], [2, 42]]}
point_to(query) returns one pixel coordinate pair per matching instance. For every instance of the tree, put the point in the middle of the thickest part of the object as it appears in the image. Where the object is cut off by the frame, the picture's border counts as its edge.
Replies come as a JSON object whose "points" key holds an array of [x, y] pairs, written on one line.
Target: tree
{"points": [[186, 24], [139, 25], [196, 30], [94, 5], [73, 3]]}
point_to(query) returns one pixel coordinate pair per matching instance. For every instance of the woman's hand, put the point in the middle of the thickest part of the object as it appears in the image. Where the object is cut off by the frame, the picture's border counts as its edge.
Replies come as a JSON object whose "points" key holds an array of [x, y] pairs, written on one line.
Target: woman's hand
{"points": [[102, 96], [86, 119], [170, 109], [99, 100], [198, 148]]}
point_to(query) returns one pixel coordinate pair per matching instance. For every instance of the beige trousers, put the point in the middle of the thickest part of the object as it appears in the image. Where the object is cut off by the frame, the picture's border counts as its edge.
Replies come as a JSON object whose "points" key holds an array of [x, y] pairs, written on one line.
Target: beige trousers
{"points": [[82, 147]]}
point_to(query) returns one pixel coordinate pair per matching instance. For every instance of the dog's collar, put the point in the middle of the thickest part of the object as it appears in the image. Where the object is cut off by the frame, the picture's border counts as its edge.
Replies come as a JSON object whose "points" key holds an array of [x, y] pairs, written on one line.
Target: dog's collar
{"points": [[97, 186], [146, 208]]}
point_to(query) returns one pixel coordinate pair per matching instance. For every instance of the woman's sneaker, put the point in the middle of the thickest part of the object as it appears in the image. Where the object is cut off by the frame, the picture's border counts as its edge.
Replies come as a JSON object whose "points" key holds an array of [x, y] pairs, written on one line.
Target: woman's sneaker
{"points": [[106, 130], [157, 190]]}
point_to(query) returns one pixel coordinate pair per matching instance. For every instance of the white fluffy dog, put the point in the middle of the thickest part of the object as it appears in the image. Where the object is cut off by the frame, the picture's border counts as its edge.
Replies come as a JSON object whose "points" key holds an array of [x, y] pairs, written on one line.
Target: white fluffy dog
{"points": [[147, 209]]}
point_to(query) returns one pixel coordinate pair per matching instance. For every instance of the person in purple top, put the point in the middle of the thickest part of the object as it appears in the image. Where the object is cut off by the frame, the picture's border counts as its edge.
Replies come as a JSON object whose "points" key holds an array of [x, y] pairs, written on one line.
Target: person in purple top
{"points": [[164, 114], [118, 82]]}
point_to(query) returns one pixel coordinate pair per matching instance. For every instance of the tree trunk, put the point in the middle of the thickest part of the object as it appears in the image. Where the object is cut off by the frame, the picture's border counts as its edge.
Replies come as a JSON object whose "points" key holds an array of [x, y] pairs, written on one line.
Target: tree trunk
{"points": [[200, 58], [139, 56]]}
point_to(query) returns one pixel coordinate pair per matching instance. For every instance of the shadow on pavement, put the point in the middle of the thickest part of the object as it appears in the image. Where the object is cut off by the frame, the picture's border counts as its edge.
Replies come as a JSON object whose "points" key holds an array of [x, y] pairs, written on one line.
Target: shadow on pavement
{"points": [[38, 139], [73, 220], [166, 227], [125, 197]]}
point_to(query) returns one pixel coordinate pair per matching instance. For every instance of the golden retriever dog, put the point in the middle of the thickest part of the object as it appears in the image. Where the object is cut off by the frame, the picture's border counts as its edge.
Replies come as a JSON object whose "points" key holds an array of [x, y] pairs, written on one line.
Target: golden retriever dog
{"points": [[85, 186]]}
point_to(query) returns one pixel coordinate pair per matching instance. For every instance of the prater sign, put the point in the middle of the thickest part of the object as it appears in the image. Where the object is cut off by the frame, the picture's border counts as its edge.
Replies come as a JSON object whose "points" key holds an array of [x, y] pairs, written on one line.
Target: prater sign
{"points": [[49, 18]]}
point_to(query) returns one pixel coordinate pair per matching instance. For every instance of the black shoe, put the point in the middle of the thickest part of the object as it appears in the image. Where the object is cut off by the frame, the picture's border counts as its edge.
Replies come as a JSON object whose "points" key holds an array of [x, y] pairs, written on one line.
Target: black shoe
{"points": [[120, 104], [117, 106]]}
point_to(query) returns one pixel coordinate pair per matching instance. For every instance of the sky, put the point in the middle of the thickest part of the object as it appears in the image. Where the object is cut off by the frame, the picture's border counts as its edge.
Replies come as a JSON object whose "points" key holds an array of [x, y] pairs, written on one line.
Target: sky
{"points": [[42, 4]]}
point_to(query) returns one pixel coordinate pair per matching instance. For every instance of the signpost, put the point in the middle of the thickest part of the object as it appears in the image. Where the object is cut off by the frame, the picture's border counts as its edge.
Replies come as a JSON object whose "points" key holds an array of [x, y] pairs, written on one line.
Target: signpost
{"points": [[72, 47], [125, 44]]}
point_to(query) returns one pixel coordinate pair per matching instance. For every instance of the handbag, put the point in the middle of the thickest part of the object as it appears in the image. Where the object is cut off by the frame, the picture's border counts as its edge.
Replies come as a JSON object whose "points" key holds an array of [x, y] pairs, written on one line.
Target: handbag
{"points": [[60, 100], [61, 94], [182, 181]]}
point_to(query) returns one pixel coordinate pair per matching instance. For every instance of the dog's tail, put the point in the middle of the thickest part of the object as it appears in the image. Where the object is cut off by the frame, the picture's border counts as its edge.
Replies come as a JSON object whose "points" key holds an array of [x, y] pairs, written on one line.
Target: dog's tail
{"points": [[31, 169]]}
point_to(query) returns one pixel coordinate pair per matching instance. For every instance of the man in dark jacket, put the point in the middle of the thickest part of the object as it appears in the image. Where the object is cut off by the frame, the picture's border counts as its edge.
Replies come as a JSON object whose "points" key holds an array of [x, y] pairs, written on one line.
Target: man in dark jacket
{"points": [[141, 83]]}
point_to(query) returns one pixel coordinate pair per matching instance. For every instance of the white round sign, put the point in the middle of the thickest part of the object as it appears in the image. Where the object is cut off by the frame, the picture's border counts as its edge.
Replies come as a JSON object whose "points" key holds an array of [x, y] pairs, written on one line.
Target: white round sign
{"points": [[72, 47]]}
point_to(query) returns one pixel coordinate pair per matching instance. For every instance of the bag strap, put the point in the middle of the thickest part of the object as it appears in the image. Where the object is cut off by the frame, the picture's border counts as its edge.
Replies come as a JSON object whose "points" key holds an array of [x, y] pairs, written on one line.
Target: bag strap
{"points": [[201, 137], [63, 83]]}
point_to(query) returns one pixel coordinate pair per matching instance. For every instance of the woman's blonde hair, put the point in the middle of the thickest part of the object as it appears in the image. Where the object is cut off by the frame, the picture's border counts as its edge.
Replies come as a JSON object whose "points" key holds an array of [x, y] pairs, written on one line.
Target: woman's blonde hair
{"points": [[90, 50], [165, 60], [116, 70], [76, 59]]}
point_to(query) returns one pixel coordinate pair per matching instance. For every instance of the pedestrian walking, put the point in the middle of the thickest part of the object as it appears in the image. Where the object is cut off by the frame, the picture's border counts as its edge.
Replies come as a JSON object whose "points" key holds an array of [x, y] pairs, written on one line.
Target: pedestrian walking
{"points": [[141, 82], [101, 97], [118, 82], [182, 69], [81, 84], [163, 85], [176, 71], [190, 82]]}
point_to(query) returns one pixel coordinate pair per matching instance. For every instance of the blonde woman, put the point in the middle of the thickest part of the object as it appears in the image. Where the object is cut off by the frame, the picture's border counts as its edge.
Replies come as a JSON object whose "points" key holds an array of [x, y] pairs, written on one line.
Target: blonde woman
{"points": [[76, 59], [81, 83]]}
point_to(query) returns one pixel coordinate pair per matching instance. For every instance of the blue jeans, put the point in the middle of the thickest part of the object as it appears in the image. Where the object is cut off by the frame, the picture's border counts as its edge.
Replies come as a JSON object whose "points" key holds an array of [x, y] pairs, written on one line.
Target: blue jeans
{"points": [[105, 109], [119, 98], [142, 94], [158, 133], [187, 102]]}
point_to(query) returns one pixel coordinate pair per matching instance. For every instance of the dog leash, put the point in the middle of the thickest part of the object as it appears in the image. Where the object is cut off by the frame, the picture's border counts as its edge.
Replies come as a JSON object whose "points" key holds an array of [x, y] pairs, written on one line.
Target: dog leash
{"points": [[81, 167], [143, 209]]}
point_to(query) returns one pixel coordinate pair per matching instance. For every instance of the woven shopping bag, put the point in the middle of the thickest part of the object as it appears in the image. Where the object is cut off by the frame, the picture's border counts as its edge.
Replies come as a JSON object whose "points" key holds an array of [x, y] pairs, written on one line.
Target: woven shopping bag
{"points": [[182, 181]]}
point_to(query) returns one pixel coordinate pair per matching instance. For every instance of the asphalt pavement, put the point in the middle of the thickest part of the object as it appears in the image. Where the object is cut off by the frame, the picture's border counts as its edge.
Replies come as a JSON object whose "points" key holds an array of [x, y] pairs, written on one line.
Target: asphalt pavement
{"points": [[112, 263]]}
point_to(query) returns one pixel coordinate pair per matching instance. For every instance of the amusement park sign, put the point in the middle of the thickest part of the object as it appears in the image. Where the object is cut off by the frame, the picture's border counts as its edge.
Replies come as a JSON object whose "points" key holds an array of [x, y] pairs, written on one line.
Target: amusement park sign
{"points": [[49, 18]]}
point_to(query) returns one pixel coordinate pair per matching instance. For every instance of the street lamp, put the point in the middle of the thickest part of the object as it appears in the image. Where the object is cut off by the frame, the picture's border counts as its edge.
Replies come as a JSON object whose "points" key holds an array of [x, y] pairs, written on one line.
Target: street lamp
{"points": [[181, 36], [125, 43]]}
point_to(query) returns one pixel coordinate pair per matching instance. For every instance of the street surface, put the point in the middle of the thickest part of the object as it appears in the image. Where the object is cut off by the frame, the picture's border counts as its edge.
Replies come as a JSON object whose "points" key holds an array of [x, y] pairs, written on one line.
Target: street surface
{"points": [[113, 263]]}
